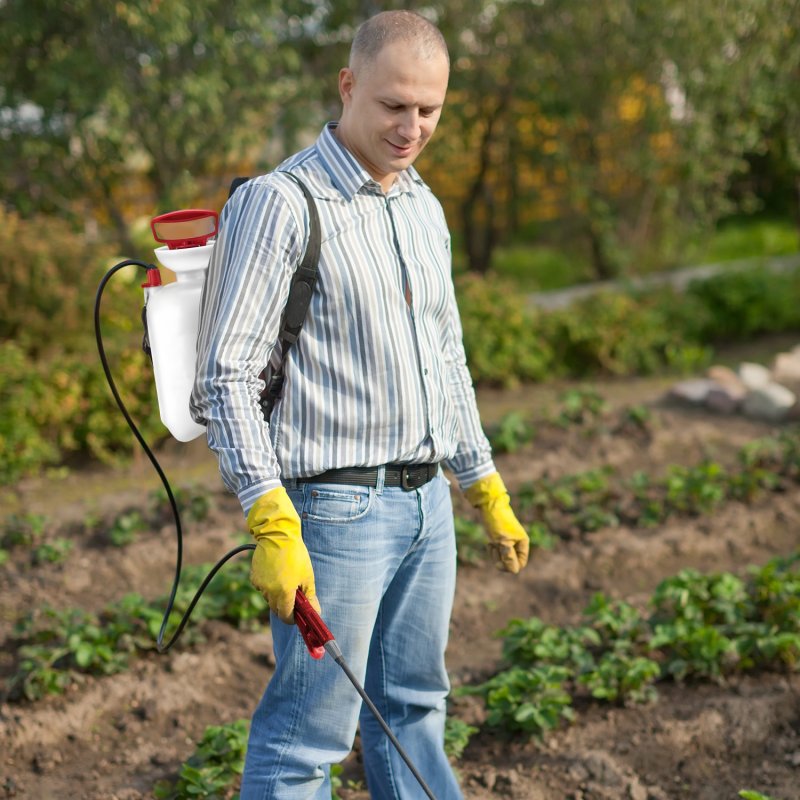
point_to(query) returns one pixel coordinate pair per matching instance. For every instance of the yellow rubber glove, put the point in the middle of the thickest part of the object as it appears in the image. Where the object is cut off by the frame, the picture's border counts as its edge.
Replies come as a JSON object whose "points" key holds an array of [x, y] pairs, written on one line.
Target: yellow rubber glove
{"points": [[280, 561], [508, 540]]}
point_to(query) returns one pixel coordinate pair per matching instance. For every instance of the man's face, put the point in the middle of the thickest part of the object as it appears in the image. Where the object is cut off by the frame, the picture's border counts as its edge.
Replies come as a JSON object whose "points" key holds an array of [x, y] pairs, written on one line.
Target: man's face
{"points": [[391, 109]]}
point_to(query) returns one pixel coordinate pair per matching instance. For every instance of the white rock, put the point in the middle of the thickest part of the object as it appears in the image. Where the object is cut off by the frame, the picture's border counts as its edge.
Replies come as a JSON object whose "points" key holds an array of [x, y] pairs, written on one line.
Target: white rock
{"points": [[754, 376], [786, 367], [726, 377], [693, 391], [771, 403]]}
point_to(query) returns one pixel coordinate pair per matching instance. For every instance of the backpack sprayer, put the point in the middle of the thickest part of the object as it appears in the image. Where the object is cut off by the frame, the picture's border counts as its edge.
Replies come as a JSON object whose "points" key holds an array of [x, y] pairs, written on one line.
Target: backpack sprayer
{"points": [[171, 317]]}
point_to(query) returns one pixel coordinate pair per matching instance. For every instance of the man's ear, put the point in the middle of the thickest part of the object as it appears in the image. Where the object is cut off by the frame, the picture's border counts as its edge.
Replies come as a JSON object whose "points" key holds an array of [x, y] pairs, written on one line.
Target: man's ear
{"points": [[346, 82]]}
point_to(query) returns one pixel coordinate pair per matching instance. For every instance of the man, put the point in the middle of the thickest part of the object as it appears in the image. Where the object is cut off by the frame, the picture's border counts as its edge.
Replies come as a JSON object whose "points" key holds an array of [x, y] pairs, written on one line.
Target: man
{"points": [[342, 489]]}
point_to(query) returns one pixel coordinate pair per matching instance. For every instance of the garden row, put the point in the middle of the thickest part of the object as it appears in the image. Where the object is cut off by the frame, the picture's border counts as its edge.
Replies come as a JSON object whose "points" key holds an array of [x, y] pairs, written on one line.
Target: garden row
{"points": [[56, 402], [55, 646], [699, 626]]}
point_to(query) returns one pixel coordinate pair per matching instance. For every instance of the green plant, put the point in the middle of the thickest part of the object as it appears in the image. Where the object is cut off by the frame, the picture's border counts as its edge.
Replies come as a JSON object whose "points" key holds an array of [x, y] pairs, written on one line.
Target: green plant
{"points": [[230, 595], [748, 794], [691, 619], [620, 675], [52, 552], [125, 528], [336, 781], [533, 700], [615, 620], [696, 490], [510, 433], [702, 626], [540, 536], [56, 646], [59, 642], [213, 769], [470, 541], [23, 530], [193, 502], [457, 734], [580, 407], [639, 416], [532, 642]]}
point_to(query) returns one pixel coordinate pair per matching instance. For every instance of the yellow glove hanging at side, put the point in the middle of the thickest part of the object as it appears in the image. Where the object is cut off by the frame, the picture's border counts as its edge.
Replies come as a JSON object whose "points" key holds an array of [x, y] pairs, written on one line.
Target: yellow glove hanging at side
{"points": [[280, 561], [507, 538]]}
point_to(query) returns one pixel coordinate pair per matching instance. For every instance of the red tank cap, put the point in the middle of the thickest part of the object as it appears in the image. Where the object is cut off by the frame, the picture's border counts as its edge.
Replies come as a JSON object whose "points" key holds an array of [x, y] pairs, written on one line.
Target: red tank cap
{"points": [[190, 227], [153, 278]]}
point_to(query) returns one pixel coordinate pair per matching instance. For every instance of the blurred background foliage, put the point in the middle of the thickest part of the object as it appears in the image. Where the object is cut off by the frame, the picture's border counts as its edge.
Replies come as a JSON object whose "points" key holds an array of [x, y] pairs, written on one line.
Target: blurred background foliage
{"points": [[580, 142]]}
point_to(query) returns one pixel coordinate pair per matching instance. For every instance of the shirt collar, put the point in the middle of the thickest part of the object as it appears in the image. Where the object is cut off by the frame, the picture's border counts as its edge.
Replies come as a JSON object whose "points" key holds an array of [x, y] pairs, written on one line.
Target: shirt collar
{"points": [[348, 176]]}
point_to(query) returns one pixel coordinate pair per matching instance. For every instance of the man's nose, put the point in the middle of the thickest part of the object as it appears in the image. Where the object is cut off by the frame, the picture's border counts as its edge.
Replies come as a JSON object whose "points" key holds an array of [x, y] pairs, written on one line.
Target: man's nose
{"points": [[409, 125]]}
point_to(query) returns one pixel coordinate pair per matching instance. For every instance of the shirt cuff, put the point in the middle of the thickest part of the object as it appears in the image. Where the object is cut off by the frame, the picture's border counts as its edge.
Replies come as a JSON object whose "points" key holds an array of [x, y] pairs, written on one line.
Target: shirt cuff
{"points": [[248, 496], [469, 476]]}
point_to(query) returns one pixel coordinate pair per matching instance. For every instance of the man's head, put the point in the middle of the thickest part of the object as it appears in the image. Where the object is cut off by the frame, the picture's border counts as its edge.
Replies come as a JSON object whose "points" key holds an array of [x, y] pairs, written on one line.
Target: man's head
{"points": [[392, 92]]}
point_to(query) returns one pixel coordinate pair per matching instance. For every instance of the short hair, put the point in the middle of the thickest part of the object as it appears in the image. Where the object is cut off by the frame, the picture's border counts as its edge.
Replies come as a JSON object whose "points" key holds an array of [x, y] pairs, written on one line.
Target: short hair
{"points": [[396, 26]]}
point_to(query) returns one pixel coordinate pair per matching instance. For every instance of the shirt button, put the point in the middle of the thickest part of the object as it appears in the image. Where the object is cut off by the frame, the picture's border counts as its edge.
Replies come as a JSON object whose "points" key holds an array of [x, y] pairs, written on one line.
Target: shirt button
{"points": [[425, 371]]}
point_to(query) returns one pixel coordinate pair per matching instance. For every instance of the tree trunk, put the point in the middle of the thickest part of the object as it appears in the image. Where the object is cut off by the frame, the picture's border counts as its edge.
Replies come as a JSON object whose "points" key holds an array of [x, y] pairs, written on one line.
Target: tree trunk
{"points": [[601, 265], [480, 237], [480, 231]]}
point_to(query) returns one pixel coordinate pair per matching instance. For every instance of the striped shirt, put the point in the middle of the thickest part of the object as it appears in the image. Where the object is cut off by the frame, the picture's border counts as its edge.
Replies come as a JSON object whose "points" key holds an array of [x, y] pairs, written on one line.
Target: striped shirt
{"points": [[378, 373]]}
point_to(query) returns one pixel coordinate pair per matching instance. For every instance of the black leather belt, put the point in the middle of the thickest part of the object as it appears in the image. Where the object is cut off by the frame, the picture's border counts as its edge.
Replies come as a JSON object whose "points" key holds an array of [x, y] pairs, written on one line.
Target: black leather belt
{"points": [[407, 476]]}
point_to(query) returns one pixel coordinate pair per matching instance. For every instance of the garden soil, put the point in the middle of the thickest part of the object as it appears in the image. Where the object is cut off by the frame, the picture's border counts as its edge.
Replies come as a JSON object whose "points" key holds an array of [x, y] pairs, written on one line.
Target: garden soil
{"points": [[114, 737]]}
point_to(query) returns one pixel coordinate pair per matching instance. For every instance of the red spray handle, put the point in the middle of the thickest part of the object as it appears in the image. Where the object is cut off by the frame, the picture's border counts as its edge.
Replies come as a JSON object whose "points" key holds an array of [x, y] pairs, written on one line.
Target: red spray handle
{"points": [[314, 631]]}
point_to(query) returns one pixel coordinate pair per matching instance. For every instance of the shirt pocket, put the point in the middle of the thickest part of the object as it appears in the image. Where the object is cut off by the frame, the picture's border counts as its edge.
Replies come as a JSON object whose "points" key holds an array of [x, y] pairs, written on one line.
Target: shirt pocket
{"points": [[337, 504]]}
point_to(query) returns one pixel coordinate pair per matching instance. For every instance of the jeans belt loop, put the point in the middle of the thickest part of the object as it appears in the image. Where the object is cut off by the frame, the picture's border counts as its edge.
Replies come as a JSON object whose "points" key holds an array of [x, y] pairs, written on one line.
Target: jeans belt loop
{"points": [[380, 480]]}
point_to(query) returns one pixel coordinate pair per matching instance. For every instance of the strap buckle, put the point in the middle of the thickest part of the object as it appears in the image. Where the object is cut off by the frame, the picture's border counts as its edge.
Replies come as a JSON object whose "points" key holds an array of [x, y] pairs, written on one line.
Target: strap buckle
{"points": [[413, 480]]}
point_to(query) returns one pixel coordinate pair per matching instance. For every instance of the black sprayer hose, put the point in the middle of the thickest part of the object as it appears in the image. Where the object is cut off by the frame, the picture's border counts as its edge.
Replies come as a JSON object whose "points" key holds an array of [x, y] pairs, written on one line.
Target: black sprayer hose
{"points": [[162, 648]]}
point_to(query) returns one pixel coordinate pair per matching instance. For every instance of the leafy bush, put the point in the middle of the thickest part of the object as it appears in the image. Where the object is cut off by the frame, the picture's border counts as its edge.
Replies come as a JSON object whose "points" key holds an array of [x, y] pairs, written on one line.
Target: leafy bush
{"points": [[55, 408], [741, 304], [502, 339], [616, 334], [48, 274]]}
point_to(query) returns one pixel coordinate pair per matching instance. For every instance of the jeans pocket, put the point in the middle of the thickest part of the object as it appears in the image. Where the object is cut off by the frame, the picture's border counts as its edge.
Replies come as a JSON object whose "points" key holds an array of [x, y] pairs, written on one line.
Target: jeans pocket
{"points": [[326, 502]]}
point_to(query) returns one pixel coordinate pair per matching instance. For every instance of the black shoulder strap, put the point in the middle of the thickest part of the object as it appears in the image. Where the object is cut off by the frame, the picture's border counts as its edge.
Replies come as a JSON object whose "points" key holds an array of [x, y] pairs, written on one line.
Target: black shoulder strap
{"points": [[300, 291]]}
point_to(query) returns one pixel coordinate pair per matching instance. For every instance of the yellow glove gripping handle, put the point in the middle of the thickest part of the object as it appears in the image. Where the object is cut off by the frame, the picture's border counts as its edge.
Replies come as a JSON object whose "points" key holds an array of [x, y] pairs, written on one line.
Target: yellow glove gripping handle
{"points": [[507, 538], [280, 562]]}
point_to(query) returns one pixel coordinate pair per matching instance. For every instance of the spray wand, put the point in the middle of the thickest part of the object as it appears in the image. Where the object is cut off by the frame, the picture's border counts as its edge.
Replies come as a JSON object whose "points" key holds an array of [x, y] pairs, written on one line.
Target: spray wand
{"points": [[319, 640]]}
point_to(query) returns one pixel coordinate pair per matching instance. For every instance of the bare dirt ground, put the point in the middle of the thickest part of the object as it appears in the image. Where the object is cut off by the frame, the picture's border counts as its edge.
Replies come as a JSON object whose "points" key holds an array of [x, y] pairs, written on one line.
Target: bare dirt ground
{"points": [[114, 737]]}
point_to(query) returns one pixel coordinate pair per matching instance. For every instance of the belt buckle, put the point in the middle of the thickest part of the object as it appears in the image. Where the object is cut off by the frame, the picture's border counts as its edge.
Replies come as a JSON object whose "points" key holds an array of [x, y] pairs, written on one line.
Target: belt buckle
{"points": [[404, 480]]}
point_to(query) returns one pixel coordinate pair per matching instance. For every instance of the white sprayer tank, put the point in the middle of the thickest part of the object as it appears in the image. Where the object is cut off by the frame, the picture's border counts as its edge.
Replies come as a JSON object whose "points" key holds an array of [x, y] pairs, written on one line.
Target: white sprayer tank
{"points": [[173, 321]]}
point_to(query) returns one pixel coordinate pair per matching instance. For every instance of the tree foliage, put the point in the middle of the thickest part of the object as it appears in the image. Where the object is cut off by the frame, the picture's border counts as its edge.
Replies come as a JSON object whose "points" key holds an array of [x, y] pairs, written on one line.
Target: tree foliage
{"points": [[613, 126], [622, 122], [102, 100]]}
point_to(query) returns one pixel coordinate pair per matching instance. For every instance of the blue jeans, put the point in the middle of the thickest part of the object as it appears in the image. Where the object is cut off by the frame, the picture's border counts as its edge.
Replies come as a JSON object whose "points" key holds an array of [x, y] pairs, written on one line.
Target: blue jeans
{"points": [[384, 563]]}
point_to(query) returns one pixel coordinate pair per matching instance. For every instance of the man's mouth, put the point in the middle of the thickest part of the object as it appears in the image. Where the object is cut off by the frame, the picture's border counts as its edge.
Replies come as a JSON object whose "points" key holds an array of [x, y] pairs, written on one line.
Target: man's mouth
{"points": [[400, 151]]}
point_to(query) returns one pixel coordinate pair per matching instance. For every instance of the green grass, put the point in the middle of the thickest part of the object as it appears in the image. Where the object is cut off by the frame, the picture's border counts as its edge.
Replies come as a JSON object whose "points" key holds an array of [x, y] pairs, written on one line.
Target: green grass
{"points": [[539, 267], [750, 238]]}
